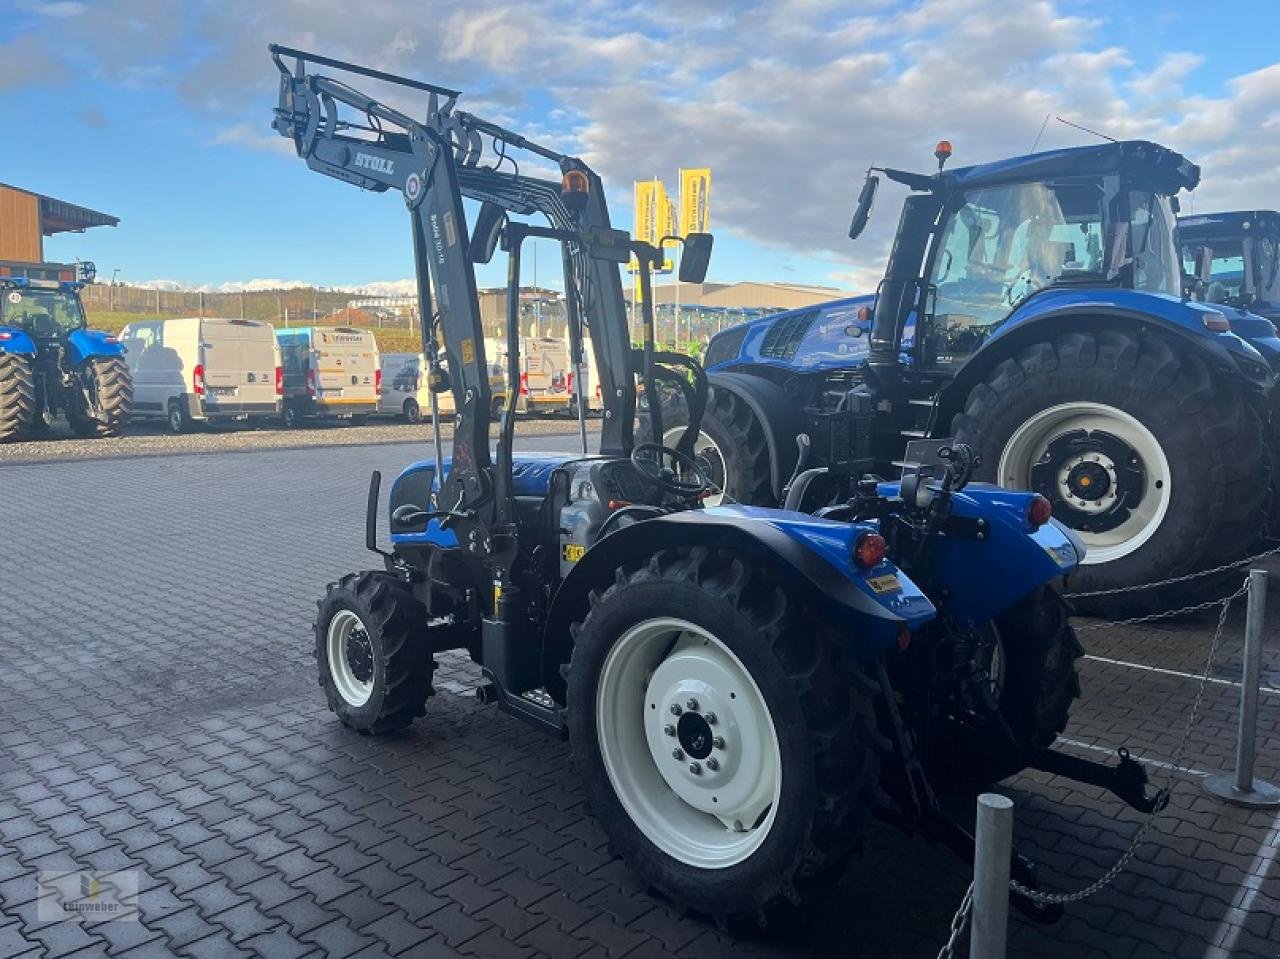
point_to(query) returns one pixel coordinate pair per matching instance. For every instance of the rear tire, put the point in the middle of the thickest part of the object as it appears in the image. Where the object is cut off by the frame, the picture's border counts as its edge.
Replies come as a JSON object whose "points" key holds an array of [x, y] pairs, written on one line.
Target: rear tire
{"points": [[290, 419], [731, 442], [412, 412], [17, 398], [111, 387], [372, 653], [178, 420], [1204, 468], [797, 772]]}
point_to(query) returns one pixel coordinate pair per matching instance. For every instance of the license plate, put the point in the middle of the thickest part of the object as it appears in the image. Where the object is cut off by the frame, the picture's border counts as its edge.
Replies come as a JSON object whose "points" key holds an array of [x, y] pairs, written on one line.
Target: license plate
{"points": [[223, 390]]}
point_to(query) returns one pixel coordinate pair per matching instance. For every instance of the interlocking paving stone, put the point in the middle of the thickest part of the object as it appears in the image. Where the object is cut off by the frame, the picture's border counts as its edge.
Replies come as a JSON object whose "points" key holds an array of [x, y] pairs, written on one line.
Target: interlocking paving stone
{"points": [[178, 731]]}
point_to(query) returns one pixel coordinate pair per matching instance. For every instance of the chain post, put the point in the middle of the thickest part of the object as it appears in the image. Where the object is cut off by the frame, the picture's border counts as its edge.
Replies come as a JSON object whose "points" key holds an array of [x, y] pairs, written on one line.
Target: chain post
{"points": [[993, 851]]}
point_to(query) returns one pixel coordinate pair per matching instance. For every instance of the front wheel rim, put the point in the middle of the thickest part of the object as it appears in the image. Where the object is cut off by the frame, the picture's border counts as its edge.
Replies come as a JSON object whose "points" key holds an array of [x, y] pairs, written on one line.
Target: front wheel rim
{"points": [[688, 743], [708, 455], [350, 655], [1103, 470]]}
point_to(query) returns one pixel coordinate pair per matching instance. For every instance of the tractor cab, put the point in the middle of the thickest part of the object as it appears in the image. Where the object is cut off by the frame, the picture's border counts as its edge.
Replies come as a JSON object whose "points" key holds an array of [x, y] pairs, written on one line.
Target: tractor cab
{"points": [[977, 244], [1234, 259], [45, 309]]}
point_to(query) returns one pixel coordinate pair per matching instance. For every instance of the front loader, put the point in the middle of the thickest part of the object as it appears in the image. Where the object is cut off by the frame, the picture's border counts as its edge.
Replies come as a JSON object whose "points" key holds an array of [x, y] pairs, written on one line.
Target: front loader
{"points": [[738, 684]]}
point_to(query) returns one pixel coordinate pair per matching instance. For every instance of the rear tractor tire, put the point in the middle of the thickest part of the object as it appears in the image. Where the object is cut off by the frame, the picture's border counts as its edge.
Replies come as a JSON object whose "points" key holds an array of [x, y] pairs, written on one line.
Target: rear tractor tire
{"points": [[1159, 465], [731, 445], [111, 396], [727, 744], [17, 398], [371, 649]]}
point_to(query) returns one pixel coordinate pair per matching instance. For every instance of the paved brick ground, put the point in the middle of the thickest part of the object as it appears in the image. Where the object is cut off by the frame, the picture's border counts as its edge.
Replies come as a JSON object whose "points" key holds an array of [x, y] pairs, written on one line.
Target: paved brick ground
{"points": [[159, 713]]}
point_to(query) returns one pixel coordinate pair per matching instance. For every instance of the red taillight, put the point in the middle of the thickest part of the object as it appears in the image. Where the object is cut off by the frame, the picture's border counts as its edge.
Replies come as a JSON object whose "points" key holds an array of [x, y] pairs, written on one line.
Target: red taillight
{"points": [[1215, 322], [110, 339], [6, 336], [1038, 511], [568, 383], [524, 384], [377, 380], [311, 382], [869, 550], [279, 381], [599, 393], [197, 380]]}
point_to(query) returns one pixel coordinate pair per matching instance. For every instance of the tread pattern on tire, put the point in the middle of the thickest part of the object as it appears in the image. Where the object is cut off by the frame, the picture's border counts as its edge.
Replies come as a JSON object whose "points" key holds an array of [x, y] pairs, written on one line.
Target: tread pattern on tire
{"points": [[837, 700], [1146, 370], [115, 398], [408, 661], [17, 397], [749, 478]]}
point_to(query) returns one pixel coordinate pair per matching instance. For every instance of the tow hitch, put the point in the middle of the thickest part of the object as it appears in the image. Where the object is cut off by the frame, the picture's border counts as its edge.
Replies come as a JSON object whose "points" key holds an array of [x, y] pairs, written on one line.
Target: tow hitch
{"points": [[1127, 780]]}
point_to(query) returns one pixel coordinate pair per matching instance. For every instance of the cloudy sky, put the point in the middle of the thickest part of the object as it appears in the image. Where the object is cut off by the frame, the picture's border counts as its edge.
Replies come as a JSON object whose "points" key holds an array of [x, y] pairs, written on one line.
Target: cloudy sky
{"points": [[158, 111]]}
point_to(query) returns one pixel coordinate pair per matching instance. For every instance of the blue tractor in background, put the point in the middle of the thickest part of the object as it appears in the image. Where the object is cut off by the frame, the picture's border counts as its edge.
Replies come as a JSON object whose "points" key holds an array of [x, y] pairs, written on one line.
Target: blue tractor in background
{"points": [[50, 362], [1234, 259], [1034, 309], [741, 686]]}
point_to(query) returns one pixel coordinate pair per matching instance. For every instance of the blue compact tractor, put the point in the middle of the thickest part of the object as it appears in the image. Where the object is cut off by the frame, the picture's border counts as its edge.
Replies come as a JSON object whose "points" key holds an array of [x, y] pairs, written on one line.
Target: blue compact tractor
{"points": [[741, 686], [1034, 309], [50, 362]]}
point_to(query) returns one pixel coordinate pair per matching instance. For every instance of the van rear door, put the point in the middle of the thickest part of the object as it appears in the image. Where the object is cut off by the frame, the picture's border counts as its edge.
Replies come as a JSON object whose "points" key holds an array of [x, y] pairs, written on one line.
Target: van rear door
{"points": [[239, 359], [347, 369]]}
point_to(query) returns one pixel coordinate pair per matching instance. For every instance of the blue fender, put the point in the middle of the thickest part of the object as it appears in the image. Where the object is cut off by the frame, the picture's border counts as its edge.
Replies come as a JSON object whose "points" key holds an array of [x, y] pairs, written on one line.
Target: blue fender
{"points": [[871, 607], [982, 578], [16, 341], [90, 344]]}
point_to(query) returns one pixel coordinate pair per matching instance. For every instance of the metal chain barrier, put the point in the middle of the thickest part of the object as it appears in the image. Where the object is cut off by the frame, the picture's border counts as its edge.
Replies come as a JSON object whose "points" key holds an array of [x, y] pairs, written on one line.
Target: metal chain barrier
{"points": [[1175, 767], [1224, 568], [958, 922]]}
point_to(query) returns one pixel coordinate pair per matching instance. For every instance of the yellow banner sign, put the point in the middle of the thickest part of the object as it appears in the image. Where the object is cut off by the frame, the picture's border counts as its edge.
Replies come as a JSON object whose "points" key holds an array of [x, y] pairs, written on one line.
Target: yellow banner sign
{"points": [[666, 223], [695, 201]]}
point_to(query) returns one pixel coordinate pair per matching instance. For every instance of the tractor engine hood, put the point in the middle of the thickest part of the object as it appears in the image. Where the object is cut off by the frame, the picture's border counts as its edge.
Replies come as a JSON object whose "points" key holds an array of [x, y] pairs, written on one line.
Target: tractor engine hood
{"points": [[828, 336]]}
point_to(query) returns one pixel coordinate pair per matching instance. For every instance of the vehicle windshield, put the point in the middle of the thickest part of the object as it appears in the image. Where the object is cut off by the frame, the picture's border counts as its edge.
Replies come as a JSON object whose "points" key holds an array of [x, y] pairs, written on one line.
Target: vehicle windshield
{"points": [[1267, 255], [1225, 279], [1002, 244], [42, 312], [1157, 267]]}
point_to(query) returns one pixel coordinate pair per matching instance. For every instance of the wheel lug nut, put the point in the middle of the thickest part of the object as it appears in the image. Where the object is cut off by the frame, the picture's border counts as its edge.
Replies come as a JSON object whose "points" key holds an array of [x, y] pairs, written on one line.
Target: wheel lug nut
{"points": [[710, 718], [669, 729], [713, 764], [695, 768], [692, 704], [675, 709], [677, 754], [718, 742]]}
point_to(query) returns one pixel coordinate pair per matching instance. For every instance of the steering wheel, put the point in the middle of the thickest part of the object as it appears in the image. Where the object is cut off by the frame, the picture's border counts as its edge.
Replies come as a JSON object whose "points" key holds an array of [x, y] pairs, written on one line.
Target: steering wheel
{"points": [[666, 478]]}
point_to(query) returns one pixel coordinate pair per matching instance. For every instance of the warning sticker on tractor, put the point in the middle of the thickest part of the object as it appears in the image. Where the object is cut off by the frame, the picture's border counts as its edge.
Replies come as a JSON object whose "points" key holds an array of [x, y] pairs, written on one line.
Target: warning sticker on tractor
{"points": [[887, 583], [573, 552], [468, 350], [15, 297]]}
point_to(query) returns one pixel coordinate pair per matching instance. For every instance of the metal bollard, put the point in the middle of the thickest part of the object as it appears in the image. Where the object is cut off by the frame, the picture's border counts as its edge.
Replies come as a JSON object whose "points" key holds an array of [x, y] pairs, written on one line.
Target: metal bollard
{"points": [[1242, 789], [992, 854]]}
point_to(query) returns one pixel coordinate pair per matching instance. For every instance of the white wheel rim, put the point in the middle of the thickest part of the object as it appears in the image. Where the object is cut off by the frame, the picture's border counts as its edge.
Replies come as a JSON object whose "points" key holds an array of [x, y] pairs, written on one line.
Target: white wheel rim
{"points": [[718, 815], [708, 453], [1030, 444], [346, 627]]}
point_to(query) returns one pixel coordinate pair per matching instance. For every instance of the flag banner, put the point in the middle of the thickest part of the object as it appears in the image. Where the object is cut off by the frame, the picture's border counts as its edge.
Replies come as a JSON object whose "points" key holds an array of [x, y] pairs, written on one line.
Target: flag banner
{"points": [[695, 201], [645, 226], [666, 226]]}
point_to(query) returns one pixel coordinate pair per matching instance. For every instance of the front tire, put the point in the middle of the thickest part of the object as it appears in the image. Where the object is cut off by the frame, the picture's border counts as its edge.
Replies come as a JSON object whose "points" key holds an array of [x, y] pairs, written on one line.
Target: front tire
{"points": [[17, 398], [731, 445], [1157, 464], [779, 722], [110, 389], [372, 653]]}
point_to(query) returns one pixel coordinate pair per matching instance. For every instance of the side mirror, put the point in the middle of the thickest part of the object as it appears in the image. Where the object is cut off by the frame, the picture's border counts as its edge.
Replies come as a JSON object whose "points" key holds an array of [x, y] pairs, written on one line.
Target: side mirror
{"points": [[696, 257], [863, 211], [484, 237]]}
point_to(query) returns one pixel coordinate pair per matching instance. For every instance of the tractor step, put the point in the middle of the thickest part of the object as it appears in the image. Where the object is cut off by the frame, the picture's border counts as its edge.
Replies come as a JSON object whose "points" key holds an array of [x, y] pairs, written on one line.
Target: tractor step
{"points": [[534, 707]]}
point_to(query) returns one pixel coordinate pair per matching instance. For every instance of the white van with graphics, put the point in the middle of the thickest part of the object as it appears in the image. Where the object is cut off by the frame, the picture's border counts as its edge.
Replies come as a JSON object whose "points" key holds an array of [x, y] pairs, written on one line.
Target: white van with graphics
{"points": [[202, 370], [333, 372]]}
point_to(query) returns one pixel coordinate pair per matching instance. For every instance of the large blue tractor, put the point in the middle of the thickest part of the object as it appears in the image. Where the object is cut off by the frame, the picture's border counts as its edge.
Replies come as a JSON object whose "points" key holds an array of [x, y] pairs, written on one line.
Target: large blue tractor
{"points": [[50, 362], [1235, 260], [738, 683], [1034, 309]]}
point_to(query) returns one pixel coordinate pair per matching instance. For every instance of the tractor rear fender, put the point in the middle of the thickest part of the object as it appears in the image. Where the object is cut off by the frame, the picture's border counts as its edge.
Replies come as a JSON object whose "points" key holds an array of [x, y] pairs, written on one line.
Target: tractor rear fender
{"points": [[16, 341], [779, 414], [1244, 366], [88, 344], [811, 556]]}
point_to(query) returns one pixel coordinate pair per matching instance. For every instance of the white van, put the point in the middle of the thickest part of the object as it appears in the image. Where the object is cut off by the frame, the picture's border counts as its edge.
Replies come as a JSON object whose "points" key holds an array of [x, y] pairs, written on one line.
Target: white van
{"points": [[404, 386], [329, 372], [203, 369]]}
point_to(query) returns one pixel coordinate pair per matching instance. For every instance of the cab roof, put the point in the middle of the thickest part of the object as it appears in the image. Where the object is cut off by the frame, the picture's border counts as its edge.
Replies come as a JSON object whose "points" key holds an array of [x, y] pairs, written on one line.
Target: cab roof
{"points": [[1169, 171], [1204, 226]]}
